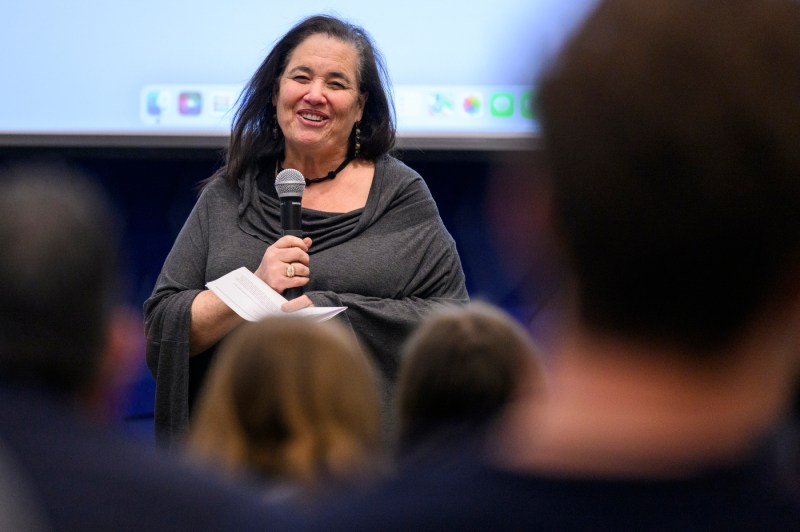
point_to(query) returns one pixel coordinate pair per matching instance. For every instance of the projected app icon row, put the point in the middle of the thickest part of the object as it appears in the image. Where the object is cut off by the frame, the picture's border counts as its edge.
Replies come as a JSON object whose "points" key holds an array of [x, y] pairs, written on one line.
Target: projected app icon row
{"points": [[189, 103], [467, 104], [175, 105], [498, 104]]}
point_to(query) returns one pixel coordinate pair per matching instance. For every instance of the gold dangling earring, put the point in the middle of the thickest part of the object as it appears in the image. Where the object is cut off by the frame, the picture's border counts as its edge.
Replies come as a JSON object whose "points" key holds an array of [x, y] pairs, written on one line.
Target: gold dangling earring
{"points": [[357, 149]]}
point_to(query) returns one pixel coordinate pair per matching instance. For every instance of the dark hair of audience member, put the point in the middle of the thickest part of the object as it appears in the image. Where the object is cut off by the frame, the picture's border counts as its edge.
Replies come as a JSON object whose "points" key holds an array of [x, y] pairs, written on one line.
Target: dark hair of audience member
{"points": [[661, 110], [458, 370], [58, 276], [294, 403]]}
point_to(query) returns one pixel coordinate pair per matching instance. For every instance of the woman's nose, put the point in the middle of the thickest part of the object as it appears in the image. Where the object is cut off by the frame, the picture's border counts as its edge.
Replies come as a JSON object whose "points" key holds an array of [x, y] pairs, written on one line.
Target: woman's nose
{"points": [[316, 92]]}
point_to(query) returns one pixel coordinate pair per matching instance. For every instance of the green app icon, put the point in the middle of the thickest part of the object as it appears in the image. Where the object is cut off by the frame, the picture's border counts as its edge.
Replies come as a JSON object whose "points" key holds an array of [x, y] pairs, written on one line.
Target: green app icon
{"points": [[526, 104], [502, 104]]}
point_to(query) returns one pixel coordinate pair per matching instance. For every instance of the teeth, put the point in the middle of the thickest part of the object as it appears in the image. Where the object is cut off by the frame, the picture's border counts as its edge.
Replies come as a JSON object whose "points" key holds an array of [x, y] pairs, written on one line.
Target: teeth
{"points": [[314, 118]]}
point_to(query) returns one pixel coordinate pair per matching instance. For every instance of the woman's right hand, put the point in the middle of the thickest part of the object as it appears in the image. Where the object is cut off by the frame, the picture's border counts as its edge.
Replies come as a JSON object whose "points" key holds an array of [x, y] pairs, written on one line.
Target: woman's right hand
{"points": [[274, 267]]}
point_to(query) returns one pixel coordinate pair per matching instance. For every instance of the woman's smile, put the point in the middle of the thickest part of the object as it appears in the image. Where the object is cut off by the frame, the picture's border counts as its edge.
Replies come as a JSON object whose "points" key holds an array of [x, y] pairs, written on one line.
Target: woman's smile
{"points": [[313, 116]]}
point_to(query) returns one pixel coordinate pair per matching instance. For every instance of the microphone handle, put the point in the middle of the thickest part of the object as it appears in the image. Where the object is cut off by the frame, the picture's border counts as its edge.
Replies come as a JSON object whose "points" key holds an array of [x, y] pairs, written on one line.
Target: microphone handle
{"points": [[292, 225], [291, 217], [295, 291]]}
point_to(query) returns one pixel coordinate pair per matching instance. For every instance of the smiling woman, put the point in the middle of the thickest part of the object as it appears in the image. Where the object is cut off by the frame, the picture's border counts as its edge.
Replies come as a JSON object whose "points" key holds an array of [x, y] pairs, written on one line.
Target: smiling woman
{"points": [[373, 238], [319, 103], [319, 106]]}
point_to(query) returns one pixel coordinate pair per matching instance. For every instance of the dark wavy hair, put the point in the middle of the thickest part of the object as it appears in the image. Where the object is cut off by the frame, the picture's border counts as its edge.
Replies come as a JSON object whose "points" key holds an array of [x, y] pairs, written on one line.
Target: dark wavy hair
{"points": [[251, 136]]}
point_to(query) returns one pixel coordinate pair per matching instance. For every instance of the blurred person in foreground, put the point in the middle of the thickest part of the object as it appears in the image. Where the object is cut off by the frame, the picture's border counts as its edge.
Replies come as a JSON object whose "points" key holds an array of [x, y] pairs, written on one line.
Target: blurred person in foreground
{"points": [[373, 240], [293, 405], [459, 370], [67, 348], [672, 129]]}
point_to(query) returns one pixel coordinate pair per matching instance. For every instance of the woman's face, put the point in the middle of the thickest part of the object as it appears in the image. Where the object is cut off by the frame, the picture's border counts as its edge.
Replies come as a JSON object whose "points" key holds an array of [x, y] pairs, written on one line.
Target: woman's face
{"points": [[318, 100]]}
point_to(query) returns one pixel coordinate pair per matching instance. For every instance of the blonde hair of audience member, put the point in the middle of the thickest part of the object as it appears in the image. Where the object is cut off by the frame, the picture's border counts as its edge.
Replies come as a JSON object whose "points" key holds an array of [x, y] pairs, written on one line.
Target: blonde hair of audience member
{"points": [[459, 369], [294, 401]]}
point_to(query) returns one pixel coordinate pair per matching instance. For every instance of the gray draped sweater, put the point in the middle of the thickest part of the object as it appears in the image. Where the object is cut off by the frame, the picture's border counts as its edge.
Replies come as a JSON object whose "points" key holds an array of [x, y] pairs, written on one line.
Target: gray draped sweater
{"points": [[389, 263]]}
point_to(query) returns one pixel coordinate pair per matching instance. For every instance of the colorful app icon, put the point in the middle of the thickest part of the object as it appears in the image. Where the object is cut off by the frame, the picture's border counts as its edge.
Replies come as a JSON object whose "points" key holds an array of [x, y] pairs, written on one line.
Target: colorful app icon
{"points": [[440, 104], [526, 104], [471, 105], [190, 103], [502, 104], [154, 103]]}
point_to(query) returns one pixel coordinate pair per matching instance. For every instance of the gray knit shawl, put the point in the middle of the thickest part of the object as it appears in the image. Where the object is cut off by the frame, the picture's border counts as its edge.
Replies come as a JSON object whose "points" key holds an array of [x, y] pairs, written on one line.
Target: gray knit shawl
{"points": [[389, 263]]}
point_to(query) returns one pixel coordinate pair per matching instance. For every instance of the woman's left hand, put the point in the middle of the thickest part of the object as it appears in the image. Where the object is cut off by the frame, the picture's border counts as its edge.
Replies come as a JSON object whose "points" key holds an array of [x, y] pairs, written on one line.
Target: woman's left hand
{"points": [[297, 303]]}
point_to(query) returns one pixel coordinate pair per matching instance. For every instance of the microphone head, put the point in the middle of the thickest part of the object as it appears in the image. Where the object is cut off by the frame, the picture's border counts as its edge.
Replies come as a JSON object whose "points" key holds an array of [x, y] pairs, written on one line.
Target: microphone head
{"points": [[290, 183]]}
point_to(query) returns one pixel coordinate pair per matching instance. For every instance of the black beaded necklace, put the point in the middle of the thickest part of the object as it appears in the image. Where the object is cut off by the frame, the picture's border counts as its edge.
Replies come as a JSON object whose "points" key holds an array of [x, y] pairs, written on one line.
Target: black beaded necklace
{"points": [[330, 175]]}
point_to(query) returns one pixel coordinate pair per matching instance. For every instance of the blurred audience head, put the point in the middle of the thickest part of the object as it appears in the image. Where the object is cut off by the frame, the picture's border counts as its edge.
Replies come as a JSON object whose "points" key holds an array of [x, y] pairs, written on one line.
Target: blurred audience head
{"points": [[459, 369], [672, 134], [58, 280], [293, 402]]}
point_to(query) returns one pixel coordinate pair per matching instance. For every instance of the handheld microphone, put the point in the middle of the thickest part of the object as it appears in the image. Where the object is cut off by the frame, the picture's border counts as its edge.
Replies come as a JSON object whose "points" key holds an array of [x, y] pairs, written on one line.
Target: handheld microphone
{"points": [[290, 185]]}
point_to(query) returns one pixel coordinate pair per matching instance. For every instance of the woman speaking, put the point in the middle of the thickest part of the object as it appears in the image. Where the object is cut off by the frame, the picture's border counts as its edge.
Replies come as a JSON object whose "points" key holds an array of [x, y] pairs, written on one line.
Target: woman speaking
{"points": [[373, 240]]}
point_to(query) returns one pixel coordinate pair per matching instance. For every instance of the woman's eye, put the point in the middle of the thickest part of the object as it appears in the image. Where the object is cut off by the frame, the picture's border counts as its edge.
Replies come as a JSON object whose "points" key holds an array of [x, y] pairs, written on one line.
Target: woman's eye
{"points": [[337, 85], [301, 79]]}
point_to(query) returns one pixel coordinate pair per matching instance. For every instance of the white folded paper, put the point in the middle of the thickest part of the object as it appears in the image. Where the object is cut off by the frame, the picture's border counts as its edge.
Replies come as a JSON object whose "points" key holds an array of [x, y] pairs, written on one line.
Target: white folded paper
{"points": [[253, 299]]}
